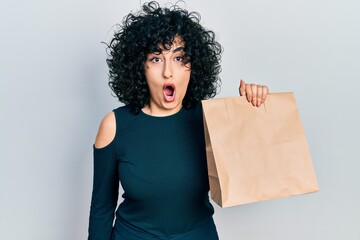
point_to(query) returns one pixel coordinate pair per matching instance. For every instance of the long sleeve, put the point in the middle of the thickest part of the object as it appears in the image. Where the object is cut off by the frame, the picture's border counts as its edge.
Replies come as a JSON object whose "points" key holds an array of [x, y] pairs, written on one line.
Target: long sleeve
{"points": [[105, 193]]}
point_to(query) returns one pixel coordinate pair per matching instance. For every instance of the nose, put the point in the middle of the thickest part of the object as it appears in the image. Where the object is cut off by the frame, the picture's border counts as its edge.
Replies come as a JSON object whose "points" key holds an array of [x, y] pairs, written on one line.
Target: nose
{"points": [[168, 71]]}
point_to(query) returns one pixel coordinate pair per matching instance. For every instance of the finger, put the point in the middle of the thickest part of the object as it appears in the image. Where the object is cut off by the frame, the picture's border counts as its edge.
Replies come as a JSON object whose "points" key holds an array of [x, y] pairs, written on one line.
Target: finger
{"points": [[242, 88], [248, 92], [254, 94], [259, 95], [265, 93]]}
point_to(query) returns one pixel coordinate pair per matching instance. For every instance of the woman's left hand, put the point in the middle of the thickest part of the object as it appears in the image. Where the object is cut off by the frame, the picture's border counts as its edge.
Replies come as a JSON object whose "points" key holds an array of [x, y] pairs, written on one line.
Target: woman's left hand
{"points": [[255, 94]]}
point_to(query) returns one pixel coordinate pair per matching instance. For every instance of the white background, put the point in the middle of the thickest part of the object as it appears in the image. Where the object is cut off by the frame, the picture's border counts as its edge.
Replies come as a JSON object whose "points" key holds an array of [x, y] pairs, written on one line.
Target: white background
{"points": [[54, 93]]}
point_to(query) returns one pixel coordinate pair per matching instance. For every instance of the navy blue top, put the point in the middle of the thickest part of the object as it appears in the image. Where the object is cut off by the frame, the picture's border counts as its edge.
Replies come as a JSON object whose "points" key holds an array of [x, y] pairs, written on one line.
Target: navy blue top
{"points": [[161, 164]]}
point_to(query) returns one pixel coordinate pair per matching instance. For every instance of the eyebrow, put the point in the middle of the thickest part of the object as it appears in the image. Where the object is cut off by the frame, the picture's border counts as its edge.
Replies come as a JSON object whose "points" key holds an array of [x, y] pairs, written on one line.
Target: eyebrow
{"points": [[178, 49]]}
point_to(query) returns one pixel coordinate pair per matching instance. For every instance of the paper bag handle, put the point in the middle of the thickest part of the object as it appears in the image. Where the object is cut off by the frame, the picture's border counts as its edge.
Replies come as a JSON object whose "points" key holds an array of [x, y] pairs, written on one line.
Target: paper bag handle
{"points": [[241, 102]]}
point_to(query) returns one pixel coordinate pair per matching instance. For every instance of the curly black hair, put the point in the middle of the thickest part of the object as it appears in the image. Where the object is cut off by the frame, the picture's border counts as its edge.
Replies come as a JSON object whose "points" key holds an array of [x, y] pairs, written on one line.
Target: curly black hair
{"points": [[144, 32]]}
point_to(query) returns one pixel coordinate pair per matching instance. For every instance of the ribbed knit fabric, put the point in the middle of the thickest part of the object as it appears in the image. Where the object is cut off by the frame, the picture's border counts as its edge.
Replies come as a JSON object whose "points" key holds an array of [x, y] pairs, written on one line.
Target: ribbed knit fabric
{"points": [[161, 164]]}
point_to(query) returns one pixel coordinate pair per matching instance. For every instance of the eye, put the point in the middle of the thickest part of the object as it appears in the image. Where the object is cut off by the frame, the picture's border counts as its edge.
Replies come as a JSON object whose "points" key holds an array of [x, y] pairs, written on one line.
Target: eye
{"points": [[155, 59], [179, 58]]}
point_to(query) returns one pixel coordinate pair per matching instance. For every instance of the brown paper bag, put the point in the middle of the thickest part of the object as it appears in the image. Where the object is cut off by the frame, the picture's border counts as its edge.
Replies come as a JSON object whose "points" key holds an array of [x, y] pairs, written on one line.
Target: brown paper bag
{"points": [[256, 153]]}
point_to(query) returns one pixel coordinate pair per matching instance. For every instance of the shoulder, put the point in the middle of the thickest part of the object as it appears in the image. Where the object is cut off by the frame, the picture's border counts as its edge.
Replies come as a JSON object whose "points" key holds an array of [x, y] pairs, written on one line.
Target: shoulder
{"points": [[107, 130]]}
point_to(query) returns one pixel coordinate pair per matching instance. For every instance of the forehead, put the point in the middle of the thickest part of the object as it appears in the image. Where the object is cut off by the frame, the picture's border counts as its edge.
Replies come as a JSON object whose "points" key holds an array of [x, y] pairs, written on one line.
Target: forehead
{"points": [[178, 41]]}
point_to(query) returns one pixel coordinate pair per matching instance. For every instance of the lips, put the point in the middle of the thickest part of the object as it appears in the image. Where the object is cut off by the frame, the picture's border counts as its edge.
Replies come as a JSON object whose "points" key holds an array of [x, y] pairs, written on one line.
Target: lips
{"points": [[169, 92]]}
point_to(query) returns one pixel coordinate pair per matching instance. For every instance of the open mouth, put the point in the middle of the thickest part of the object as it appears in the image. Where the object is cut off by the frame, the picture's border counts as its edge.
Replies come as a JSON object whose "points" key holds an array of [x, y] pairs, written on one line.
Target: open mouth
{"points": [[169, 92]]}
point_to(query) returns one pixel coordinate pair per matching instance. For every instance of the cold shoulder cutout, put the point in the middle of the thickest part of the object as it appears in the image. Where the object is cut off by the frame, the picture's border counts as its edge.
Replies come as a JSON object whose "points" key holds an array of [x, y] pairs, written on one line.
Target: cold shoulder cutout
{"points": [[106, 132]]}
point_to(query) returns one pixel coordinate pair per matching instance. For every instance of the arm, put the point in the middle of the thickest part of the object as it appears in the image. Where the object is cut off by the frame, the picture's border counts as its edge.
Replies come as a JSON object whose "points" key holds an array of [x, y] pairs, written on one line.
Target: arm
{"points": [[255, 94], [105, 182]]}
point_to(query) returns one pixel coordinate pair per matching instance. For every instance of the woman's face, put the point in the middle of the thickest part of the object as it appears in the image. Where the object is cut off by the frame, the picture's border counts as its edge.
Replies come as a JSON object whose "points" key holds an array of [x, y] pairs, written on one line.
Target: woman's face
{"points": [[167, 77]]}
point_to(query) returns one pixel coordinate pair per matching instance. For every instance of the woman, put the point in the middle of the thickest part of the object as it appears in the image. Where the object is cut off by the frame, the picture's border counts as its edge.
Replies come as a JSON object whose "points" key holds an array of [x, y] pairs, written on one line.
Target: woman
{"points": [[162, 64]]}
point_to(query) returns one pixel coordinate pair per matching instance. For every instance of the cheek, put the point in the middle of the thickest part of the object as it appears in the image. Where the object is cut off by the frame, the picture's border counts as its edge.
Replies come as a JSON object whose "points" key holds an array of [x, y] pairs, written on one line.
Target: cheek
{"points": [[187, 75], [185, 81], [151, 76]]}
